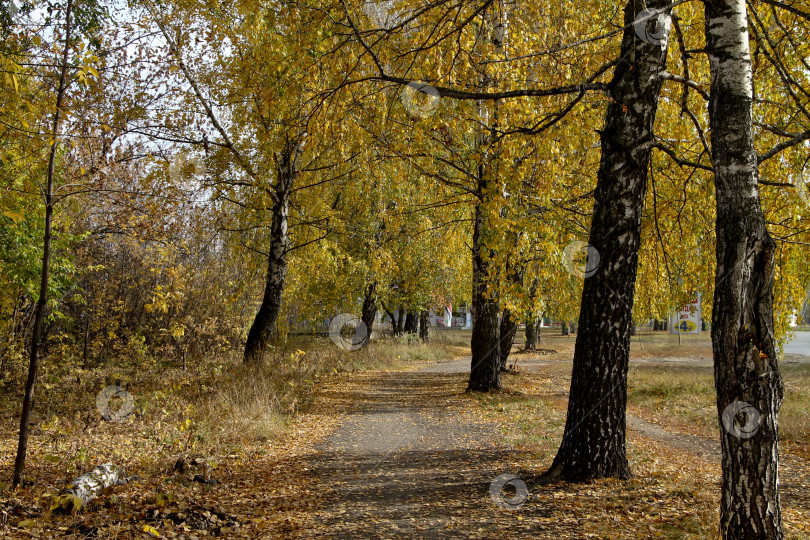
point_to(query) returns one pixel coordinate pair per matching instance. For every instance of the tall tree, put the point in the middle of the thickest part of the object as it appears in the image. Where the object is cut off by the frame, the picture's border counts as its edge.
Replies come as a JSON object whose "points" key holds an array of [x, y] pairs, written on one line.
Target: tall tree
{"points": [[287, 170], [749, 385], [264, 134], [369, 310], [593, 444], [485, 342]]}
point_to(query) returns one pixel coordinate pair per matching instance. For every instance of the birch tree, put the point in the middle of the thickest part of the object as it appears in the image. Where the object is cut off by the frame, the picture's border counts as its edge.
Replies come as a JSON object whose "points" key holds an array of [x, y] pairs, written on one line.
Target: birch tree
{"points": [[593, 444], [749, 385]]}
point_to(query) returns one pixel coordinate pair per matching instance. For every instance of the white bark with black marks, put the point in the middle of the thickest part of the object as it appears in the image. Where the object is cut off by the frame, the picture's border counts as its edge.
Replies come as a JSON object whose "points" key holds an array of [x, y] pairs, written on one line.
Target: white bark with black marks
{"points": [[746, 369], [87, 487], [287, 172]]}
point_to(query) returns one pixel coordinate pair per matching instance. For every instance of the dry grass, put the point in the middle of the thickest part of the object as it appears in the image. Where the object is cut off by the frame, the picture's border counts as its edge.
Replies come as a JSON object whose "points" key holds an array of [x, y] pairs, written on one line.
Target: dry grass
{"points": [[256, 403], [216, 408], [683, 398]]}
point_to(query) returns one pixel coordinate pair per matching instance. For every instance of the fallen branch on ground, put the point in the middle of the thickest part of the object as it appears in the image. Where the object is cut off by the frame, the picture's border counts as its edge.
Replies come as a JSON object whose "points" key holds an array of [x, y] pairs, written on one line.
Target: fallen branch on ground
{"points": [[87, 487]]}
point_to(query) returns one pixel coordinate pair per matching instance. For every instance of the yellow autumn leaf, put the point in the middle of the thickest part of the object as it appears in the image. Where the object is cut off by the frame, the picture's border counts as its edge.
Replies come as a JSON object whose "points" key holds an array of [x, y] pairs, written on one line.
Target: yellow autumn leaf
{"points": [[151, 531]]}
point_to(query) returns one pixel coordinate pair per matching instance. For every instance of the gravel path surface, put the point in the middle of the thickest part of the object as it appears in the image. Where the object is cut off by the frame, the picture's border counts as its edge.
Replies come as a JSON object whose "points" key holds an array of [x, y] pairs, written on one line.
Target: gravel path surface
{"points": [[412, 460]]}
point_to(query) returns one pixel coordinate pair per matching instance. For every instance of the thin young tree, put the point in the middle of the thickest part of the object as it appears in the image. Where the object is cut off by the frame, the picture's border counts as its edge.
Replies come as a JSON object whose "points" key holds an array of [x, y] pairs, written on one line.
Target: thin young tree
{"points": [[39, 308]]}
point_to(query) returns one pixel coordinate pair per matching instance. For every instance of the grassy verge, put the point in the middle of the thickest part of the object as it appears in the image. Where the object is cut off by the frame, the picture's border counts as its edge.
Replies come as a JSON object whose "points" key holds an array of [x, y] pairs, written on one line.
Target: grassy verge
{"points": [[682, 398], [257, 402], [663, 500]]}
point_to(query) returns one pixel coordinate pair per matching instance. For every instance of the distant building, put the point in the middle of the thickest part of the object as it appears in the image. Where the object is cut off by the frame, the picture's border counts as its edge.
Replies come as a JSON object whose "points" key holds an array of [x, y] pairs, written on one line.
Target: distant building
{"points": [[450, 318]]}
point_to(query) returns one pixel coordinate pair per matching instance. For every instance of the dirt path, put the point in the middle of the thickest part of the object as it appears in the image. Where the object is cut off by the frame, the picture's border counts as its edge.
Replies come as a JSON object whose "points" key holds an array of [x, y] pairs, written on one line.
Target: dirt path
{"points": [[412, 459], [691, 444]]}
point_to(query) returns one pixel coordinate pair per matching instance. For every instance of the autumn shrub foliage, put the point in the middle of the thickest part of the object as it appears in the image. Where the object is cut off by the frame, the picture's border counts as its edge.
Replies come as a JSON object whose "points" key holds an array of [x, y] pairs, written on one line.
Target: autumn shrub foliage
{"points": [[121, 296]]}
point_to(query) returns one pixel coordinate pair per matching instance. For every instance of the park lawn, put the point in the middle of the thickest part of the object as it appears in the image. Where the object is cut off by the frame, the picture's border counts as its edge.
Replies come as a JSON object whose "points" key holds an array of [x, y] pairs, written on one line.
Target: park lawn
{"points": [[682, 398]]}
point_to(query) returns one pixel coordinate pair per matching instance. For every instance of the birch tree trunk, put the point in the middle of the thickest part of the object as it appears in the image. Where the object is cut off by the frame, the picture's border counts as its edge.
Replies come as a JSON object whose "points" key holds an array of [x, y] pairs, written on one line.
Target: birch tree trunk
{"points": [[514, 273], [39, 309], [509, 325], [749, 385], [401, 317], [392, 317], [593, 444], [424, 326], [87, 487], [412, 322], [532, 332], [485, 341], [287, 171], [532, 320]]}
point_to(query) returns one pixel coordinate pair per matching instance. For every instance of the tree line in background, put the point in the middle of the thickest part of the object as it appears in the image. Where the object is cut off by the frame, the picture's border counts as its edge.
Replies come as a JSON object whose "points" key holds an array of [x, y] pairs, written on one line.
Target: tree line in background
{"points": [[185, 179]]}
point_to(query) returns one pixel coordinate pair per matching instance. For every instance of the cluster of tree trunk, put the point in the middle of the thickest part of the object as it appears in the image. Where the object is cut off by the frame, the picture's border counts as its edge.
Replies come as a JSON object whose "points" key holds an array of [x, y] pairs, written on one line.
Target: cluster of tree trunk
{"points": [[660, 325], [411, 322], [746, 369], [567, 328]]}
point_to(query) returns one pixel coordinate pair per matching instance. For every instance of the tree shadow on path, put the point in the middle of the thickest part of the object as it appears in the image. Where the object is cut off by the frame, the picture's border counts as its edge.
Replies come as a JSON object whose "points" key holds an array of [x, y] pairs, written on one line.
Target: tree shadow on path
{"points": [[413, 460]]}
